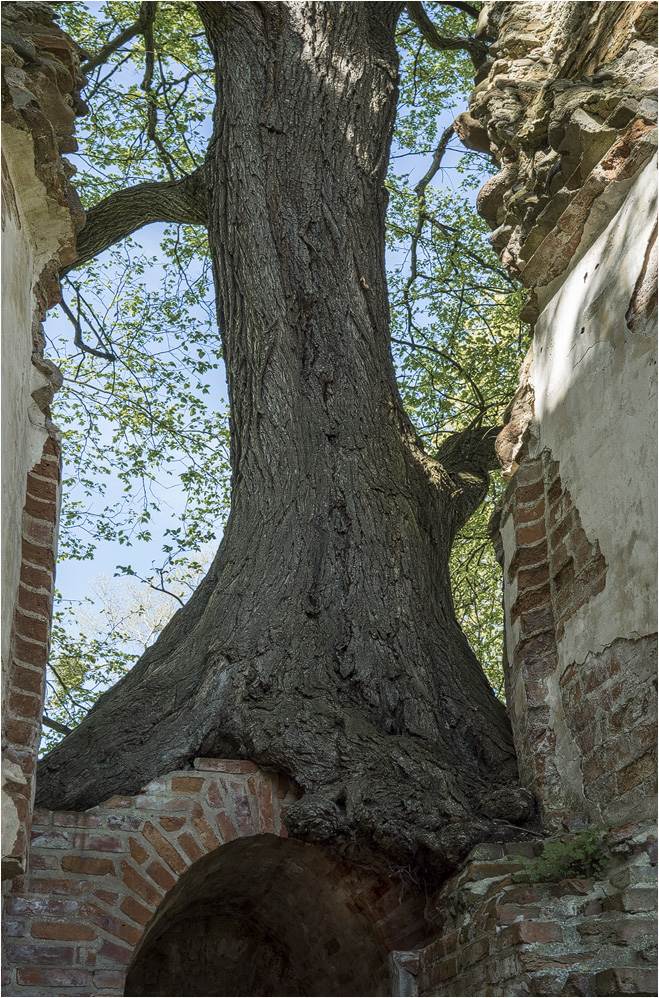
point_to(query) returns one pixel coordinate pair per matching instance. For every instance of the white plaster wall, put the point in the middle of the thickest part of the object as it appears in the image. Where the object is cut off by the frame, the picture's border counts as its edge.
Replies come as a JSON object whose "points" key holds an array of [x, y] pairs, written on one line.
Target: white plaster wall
{"points": [[595, 408]]}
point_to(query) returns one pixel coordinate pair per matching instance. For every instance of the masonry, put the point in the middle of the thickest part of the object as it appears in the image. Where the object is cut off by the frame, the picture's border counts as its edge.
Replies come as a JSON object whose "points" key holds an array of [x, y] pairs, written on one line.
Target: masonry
{"points": [[40, 216]]}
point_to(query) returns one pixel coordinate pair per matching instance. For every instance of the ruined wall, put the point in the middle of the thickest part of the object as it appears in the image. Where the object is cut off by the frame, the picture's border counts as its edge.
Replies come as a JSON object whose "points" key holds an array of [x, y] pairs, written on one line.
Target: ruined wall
{"points": [[40, 215], [193, 887], [567, 107]]}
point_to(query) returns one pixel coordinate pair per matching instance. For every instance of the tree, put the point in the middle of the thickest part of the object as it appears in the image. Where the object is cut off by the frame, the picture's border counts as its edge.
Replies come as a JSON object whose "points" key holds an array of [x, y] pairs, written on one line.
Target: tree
{"points": [[323, 640]]}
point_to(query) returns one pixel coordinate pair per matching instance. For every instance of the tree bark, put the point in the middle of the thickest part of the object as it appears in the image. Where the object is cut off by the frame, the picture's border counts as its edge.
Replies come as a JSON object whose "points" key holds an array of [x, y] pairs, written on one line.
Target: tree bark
{"points": [[323, 641]]}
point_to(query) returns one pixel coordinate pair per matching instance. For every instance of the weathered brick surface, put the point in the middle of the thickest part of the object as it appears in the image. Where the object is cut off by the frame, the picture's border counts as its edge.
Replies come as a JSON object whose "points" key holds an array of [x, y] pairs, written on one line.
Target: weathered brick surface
{"points": [[498, 937], [29, 647], [605, 706], [97, 879]]}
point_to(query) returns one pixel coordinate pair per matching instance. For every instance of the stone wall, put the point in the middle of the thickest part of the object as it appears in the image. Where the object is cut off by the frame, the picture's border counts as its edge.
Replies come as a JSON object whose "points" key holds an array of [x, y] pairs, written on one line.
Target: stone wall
{"points": [[195, 880], [40, 215], [501, 935], [567, 107]]}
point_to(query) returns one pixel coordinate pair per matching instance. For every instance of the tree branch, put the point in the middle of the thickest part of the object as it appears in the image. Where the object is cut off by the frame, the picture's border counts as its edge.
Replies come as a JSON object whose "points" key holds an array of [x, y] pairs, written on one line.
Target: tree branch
{"points": [[466, 8], [181, 201], [477, 50], [145, 18], [468, 457], [55, 725]]}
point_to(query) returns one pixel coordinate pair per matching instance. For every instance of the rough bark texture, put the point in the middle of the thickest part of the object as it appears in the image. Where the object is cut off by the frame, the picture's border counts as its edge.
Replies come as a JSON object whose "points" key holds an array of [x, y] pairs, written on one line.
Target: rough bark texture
{"points": [[323, 641]]}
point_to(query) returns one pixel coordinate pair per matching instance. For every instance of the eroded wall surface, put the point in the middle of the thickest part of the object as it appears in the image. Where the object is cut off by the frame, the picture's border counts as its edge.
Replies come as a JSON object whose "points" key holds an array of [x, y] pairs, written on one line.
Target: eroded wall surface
{"points": [[40, 216], [567, 107]]}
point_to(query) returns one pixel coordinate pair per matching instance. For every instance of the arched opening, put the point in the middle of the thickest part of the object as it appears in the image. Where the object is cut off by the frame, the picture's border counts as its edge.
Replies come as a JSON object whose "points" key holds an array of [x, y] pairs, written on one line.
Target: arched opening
{"points": [[267, 916]]}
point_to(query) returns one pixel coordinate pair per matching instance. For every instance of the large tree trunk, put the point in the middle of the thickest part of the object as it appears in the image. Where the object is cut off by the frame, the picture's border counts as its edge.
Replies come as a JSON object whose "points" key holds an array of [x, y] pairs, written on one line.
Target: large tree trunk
{"points": [[323, 641]]}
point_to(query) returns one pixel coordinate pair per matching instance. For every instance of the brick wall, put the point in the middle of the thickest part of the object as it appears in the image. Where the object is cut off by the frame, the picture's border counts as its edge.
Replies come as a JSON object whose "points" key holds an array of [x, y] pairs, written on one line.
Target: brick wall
{"points": [[127, 874], [575, 937], [585, 732], [40, 216], [29, 647]]}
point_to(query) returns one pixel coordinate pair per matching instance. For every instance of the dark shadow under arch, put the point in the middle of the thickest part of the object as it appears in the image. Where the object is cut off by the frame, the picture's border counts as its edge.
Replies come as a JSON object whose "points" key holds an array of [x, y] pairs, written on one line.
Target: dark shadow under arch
{"points": [[266, 916]]}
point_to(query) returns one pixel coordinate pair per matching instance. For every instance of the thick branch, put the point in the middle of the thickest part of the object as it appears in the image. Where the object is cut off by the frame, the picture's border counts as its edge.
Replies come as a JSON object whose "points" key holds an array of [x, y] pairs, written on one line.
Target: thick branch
{"points": [[145, 18], [466, 8], [477, 50], [117, 216], [468, 457]]}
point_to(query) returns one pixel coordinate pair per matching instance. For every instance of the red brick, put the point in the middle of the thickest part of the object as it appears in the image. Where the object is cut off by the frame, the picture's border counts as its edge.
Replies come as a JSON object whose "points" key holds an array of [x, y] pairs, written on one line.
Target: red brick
{"points": [[34, 602], [108, 897], [190, 846], [538, 620], [225, 765], [35, 955], [46, 469], [226, 827], [31, 627], [531, 533], [131, 907], [26, 706], [555, 491], [529, 471], [530, 599], [116, 927], [51, 885], [98, 842], [204, 830], [52, 447], [507, 914], [76, 819], [89, 865], [154, 802], [117, 801], [32, 977], [37, 532], [41, 488], [530, 493], [50, 839], [29, 680], [164, 848], [110, 979], [41, 907], [626, 981], [529, 578], [534, 554], [529, 514], [60, 930], [538, 932], [161, 876], [140, 886], [187, 784], [118, 953], [40, 509], [631, 900], [139, 854], [171, 823], [30, 652]]}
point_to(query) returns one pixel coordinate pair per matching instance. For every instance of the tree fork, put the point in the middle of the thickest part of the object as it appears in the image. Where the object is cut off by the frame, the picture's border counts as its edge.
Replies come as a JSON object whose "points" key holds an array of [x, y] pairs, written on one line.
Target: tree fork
{"points": [[323, 642]]}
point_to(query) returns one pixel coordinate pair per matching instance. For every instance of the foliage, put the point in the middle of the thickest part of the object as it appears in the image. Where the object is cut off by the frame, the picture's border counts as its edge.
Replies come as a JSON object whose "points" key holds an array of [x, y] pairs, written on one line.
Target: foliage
{"points": [[95, 640], [580, 857], [150, 411]]}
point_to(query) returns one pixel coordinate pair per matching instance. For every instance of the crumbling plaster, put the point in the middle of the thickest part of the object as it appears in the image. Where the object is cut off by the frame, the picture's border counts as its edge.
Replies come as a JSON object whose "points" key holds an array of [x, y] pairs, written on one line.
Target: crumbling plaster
{"points": [[32, 231], [595, 410]]}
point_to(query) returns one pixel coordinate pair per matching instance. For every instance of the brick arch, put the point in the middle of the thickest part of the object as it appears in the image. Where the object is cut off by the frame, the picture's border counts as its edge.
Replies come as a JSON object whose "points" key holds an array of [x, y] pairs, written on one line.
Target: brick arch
{"points": [[105, 883]]}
